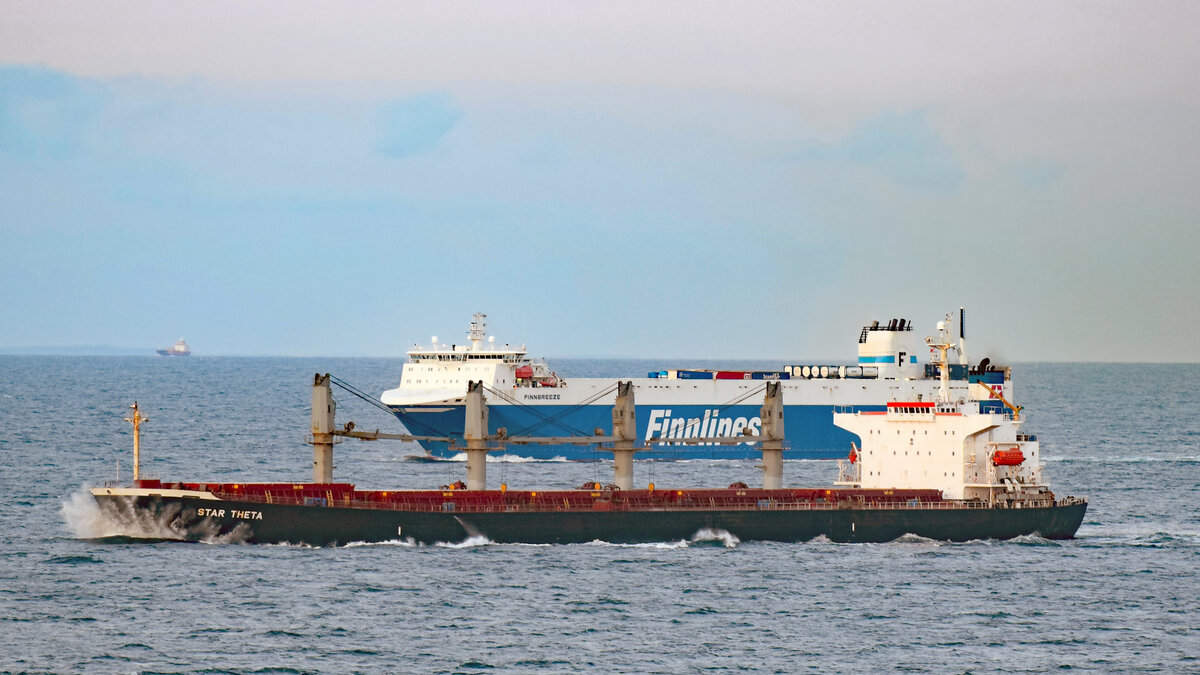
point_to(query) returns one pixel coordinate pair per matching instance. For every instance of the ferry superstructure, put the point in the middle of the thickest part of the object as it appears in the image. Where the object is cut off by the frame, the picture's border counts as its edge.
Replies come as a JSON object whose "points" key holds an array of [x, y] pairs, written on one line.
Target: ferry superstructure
{"points": [[525, 397]]}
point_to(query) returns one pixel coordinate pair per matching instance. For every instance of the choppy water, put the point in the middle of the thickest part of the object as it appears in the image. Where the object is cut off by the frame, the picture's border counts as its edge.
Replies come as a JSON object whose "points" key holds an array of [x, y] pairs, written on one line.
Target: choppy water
{"points": [[1121, 597]]}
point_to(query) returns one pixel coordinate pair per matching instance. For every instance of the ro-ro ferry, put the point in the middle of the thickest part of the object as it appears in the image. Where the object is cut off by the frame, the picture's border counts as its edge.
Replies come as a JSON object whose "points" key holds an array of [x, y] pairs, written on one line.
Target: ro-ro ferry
{"points": [[527, 398]]}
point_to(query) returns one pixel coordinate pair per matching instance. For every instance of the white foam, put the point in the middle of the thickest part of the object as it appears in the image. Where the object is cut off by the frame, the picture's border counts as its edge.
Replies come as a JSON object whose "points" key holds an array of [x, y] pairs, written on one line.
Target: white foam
{"points": [[238, 535], [504, 459], [726, 538], [469, 542], [1034, 539], [407, 542], [656, 544], [910, 538], [87, 520]]}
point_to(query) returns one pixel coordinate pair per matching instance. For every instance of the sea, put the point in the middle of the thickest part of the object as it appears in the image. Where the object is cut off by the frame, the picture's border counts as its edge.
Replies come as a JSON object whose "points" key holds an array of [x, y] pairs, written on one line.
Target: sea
{"points": [[77, 595]]}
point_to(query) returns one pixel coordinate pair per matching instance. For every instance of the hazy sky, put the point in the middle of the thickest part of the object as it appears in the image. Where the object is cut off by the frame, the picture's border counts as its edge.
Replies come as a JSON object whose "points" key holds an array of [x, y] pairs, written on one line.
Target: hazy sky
{"points": [[682, 179]]}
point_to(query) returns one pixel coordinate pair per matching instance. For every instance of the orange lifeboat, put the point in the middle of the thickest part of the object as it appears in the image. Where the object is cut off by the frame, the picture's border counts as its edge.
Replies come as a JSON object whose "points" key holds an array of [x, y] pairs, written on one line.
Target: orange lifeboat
{"points": [[1012, 457]]}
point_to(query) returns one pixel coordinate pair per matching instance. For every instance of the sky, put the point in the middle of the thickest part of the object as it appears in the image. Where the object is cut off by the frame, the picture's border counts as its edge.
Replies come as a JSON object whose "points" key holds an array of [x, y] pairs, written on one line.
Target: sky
{"points": [[627, 179]]}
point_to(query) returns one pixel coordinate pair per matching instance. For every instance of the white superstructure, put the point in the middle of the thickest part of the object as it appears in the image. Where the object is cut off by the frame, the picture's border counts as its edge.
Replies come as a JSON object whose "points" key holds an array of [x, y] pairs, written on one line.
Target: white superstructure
{"points": [[440, 372], [945, 444]]}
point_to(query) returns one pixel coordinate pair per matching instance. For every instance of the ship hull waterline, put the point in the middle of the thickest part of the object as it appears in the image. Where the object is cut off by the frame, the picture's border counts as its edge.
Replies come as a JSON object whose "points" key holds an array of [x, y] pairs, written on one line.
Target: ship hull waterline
{"points": [[259, 523]]}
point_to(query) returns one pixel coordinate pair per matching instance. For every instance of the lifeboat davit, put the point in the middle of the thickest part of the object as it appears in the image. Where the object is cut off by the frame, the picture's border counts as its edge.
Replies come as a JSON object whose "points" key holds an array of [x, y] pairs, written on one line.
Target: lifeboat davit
{"points": [[524, 372], [1011, 457]]}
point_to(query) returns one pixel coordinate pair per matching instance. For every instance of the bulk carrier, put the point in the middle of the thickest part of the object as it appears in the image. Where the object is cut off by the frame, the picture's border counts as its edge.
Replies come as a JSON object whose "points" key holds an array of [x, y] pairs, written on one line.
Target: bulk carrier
{"points": [[947, 468], [676, 405]]}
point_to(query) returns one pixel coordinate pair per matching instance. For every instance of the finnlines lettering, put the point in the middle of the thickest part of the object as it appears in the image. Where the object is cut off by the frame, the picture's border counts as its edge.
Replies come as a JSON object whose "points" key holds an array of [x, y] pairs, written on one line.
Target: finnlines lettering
{"points": [[233, 513], [666, 427]]}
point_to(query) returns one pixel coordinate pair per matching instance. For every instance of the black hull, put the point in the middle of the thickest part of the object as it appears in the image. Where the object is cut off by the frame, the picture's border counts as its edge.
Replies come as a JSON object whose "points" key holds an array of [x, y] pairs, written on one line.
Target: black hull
{"points": [[254, 522]]}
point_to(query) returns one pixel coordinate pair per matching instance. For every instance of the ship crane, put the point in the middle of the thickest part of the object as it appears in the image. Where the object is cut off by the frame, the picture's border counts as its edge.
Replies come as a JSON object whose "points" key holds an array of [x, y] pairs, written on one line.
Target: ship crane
{"points": [[1016, 409], [475, 433]]}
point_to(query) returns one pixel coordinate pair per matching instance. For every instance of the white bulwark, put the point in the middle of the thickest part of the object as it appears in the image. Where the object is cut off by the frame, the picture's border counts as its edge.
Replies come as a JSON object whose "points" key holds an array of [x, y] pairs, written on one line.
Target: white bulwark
{"points": [[947, 445]]}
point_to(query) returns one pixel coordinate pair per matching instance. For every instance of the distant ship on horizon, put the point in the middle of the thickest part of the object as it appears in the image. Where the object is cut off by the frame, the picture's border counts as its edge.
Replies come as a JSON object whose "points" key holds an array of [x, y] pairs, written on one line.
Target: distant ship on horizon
{"points": [[178, 349]]}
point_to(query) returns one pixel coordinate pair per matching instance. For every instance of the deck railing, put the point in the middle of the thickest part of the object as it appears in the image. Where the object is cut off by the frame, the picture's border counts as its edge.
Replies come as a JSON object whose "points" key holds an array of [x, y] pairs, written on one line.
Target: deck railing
{"points": [[615, 502]]}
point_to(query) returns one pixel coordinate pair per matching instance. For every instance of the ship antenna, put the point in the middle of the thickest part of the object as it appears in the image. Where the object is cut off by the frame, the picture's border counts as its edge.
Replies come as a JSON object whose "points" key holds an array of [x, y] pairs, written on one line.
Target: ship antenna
{"points": [[137, 420]]}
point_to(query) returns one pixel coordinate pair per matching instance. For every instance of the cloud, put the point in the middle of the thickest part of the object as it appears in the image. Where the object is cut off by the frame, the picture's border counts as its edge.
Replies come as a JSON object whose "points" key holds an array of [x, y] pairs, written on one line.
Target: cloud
{"points": [[902, 147], [416, 125], [663, 210], [46, 113]]}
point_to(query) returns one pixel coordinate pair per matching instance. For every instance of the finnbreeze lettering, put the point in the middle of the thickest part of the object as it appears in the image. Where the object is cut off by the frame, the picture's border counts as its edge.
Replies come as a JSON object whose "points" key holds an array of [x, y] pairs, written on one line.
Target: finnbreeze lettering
{"points": [[712, 424], [542, 397], [233, 513]]}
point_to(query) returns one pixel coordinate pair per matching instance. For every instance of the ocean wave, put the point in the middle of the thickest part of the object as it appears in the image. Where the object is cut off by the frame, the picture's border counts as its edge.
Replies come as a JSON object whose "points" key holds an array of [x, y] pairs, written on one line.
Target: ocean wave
{"points": [[1146, 539], [407, 542], [1110, 459], [470, 542], [718, 535], [664, 545], [910, 538], [73, 559], [502, 459], [1033, 540]]}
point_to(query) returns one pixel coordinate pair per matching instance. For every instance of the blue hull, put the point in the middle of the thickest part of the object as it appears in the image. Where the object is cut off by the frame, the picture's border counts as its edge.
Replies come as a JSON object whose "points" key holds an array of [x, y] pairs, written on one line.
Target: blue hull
{"points": [[809, 428]]}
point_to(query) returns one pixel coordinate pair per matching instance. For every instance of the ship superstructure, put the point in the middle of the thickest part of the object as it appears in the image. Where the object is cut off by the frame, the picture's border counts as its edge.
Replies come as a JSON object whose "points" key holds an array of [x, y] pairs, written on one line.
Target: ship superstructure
{"points": [[526, 397], [966, 450], [180, 348]]}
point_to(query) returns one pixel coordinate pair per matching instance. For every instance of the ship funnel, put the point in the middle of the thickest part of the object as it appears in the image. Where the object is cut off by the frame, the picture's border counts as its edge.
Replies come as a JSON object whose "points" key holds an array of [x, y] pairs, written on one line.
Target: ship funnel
{"points": [[962, 336]]}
